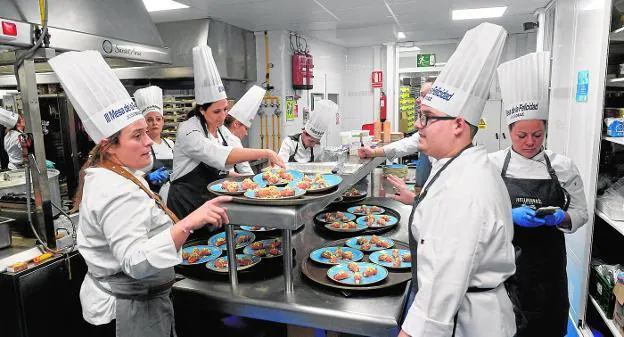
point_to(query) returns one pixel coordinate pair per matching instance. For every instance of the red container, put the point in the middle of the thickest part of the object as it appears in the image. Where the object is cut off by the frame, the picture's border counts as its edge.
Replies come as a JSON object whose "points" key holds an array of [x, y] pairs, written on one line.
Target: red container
{"points": [[370, 128]]}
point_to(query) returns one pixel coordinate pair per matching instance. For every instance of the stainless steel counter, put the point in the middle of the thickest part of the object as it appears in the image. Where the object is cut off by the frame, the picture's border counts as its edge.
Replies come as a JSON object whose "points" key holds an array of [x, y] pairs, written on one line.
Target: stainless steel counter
{"points": [[368, 313]]}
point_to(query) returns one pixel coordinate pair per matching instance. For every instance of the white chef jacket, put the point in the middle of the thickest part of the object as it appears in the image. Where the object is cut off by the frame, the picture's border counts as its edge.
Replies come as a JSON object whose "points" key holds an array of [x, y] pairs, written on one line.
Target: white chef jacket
{"points": [[402, 147], [535, 168], [464, 230], [192, 148], [120, 228], [13, 148], [164, 150], [243, 168], [303, 155]]}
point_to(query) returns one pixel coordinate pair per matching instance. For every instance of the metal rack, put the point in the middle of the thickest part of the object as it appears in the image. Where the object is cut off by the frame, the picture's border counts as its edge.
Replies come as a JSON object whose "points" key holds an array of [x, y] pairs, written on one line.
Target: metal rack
{"points": [[175, 108]]}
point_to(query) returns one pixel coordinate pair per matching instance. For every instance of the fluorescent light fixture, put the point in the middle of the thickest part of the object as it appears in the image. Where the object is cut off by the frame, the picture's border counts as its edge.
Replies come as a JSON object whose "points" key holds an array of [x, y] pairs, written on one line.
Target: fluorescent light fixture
{"points": [[618, 79], [162, 5], [478, 13], [400, 35]]}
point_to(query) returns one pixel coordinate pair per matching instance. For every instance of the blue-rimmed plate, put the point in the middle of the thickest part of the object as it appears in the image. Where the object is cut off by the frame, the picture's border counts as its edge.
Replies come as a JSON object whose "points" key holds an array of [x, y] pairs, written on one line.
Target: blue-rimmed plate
{"points": [[364, 244], [378, 220], [258, 228], [309, 184], [366, 210], [345, 227], [206, 253], [334, 216], [219, 187], [243, 261], [296, 175], [391, 258], [265, 248], [332, 258], [363, 276], [243, 238], [298, 194]]}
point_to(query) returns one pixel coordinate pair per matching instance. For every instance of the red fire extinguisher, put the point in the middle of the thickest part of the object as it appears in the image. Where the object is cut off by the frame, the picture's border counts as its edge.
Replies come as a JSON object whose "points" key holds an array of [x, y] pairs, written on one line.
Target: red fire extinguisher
{"points": [[309, 72], [302, 71], [382, 107]]}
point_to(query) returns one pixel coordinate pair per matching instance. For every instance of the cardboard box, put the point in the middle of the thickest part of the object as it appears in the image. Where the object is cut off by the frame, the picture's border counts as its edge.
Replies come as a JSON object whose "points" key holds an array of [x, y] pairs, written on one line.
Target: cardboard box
{"points": [[618, 310], [601, 291]]}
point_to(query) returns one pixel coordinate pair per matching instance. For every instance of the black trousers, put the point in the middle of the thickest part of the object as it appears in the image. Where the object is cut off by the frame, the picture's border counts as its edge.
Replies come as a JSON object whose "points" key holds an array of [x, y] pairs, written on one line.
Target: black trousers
{"points": [[104, 330]]}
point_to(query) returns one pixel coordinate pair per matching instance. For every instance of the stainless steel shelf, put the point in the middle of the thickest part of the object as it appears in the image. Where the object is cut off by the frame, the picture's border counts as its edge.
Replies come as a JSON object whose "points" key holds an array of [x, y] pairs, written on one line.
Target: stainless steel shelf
{"points": [[617, 225], [614, 329]]}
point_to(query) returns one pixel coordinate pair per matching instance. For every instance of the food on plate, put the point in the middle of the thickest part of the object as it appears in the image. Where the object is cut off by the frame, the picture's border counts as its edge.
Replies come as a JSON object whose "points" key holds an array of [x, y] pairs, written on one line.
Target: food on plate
{"points": [[357, 278], [407, 257], [248, 184], [363, 209], [383, 244], [185, 255], [276, 243], [349, 225], [338, 216], [395, 253], [385, 258], [365, 246], [277, 176], [353, 267], [341, 275], [370, 271], [193, 258], [17, 267], [327, 254], [396, 263], [348, 255], [354, 192], [304, 185], [246, 261], [369, 219], [230, 186], [363, 240], [221, 263], [205, 252], [333, 259], [220, 242], [336, 224], [274, 251], [257, 245], [256, 228], [260, 253], [242, 239], [273, 192], [287, 192], [338, 252]]}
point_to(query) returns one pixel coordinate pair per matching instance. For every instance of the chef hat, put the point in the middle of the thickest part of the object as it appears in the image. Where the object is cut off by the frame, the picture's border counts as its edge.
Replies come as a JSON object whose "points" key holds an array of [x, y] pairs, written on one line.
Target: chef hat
{"points": [[102, 102], [462, 87], [524, 87], [8, 118], [149, 99], [208, 85], [246, 108], [323, 114]]}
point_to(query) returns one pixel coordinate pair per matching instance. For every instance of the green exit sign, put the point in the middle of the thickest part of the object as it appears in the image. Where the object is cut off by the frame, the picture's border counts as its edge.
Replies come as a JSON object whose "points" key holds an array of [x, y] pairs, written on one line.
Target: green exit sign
{"points": [[425, 60]]}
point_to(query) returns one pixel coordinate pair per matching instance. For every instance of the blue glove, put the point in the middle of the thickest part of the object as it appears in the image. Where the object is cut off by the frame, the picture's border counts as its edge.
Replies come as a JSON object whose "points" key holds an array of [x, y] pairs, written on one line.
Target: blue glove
{"points": [[525, 217], [555, 219], [158, 177], [49, 164]]}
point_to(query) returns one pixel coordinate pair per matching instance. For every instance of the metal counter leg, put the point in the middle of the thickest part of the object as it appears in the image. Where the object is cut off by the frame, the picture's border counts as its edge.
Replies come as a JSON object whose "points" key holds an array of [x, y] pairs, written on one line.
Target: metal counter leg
{"points": [[288, 258], [232, 266]]}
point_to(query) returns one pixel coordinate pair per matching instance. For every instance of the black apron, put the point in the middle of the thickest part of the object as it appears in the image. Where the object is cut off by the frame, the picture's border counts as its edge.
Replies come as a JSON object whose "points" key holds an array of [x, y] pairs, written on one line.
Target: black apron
{"points": [[190, 191], [414, 243], [540, 280], [295, 138], [159, 163]]}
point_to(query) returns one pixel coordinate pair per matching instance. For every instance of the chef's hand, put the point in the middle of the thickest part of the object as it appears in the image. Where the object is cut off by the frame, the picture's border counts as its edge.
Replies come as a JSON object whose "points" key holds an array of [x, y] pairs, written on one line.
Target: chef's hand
{"points": [[158, 177], [555, 219], [525, 217], [274, 159], [403, 334], [366, 152], [210, 213], [403, 193]]}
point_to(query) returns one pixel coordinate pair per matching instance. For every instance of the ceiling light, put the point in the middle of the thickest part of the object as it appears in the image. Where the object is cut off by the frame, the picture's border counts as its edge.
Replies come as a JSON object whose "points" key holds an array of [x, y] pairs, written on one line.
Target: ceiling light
{"points": [[478, 13], [400, 35], [162, 5]]}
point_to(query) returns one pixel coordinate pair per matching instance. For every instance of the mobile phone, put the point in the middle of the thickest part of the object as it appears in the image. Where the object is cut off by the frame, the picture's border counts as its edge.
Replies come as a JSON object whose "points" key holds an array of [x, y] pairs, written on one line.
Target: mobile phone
{"points": [[544, 211]]}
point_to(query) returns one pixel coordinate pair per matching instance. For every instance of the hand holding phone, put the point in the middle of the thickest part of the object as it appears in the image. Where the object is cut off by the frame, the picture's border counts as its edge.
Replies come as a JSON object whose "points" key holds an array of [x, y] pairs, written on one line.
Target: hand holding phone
{"points": [[544, 211]]}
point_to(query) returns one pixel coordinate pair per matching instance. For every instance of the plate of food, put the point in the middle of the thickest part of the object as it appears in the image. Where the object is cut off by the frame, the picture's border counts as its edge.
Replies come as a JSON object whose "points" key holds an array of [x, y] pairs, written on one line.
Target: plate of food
{"points": [[277, 176], [354, 194], [357, 273], [275, 193], [392, 258], [243, 238], [346, 227], [232, 187], [329, 217], [366, 210], [336, 255], [370, 243], [317, 183], [258, 228], [243, 261], [377, 220], [199, 254], [265, 248]]}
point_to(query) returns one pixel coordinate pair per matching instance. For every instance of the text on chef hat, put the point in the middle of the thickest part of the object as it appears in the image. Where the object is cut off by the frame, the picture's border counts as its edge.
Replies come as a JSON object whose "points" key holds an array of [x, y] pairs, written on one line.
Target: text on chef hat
{"points": [[115, 113], [438, 91], [521, 107]]}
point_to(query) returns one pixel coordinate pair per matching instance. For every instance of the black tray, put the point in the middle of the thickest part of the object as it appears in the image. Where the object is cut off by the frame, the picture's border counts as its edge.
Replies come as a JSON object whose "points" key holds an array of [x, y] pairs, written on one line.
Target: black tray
{"points": [[317, 272], [320, 226]]}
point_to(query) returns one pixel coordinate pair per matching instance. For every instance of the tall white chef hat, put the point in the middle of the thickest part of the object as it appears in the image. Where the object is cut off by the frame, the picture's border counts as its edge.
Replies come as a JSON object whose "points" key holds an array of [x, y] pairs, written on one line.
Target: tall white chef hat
{"points": [[102, 102], [208, 85], [463, 85], [8, 118], [149, 99], [524, 87], [246, 108], [324, 113]]}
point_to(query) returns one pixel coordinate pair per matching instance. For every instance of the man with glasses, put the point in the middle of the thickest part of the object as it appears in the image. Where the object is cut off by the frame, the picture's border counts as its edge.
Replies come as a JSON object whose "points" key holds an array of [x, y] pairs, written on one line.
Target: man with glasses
{"points": [[460, 227]]}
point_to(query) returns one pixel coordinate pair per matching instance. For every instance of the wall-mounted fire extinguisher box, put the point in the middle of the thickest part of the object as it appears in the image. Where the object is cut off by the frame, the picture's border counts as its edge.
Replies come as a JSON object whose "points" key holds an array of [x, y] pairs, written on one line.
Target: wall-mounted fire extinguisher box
{"points": [[302, 73]]}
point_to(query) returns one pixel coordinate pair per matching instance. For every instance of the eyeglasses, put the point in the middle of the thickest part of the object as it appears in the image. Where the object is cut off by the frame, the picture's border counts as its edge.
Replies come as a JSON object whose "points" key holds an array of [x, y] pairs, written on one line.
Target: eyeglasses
{"points": [[424, 119]]}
